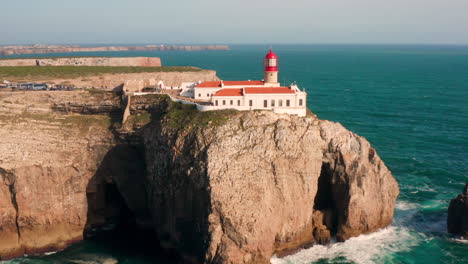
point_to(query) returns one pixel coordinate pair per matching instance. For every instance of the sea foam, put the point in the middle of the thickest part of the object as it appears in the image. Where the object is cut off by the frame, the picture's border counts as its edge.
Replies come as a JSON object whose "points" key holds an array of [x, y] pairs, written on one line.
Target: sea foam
{"points": [[364, 249]]}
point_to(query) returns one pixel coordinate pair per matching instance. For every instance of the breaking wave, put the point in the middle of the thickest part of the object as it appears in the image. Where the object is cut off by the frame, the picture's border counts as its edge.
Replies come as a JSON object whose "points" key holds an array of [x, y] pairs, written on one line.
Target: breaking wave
{"points": [[402, 205], [364, 249]]}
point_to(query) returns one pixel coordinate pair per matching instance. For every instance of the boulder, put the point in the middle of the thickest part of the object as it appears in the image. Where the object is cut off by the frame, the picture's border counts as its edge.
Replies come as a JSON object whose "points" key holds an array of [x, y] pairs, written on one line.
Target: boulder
{"points": [[457, 221]]}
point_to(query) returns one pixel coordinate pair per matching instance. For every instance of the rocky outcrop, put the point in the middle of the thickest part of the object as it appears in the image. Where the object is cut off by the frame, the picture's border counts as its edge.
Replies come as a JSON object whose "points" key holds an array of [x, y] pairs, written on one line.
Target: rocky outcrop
{"points": [[218, 187], [259, 183], [457, 221], [85, 61], [47, 161], [41, 49]]}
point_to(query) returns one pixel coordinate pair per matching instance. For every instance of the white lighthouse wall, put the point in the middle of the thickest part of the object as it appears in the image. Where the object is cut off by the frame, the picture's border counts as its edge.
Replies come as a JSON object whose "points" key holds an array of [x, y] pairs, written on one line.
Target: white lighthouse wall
{"points": [[271, 78], [258, 103], [205, 93]]}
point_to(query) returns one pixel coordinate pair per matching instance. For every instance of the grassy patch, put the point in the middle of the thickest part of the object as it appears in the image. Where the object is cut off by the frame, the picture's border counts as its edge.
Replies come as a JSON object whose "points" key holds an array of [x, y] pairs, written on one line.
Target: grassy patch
{"points": [[80, 122], [50, 72], [181, 116], [85, 122], [137, 121]]}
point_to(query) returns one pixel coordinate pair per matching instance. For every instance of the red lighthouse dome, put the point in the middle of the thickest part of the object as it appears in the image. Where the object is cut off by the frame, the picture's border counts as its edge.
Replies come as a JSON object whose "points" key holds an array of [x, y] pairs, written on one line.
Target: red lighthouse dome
{"points": [[271, 62]]}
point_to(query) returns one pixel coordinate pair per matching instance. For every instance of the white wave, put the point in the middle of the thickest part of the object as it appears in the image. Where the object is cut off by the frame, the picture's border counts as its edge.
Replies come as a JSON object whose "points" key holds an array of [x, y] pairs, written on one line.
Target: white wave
{"points": [[402, 205], [50, 253], [460, 240], [364, 249], [435, 204]]}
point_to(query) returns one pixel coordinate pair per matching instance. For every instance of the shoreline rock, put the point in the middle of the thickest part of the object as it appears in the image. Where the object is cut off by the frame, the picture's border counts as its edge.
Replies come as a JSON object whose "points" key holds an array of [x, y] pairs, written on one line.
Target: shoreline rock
{"points": [[457, 220]]}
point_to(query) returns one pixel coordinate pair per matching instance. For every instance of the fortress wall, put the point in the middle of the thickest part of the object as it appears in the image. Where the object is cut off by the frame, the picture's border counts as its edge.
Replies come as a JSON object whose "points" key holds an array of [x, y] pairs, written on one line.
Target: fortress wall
{"points": [[86, 61]]}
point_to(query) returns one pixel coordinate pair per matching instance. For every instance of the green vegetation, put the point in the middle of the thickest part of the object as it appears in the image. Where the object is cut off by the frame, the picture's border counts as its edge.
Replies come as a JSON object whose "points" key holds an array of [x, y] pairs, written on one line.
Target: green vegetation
{"points": [[137, 121], [181, 116], [50, 72]]}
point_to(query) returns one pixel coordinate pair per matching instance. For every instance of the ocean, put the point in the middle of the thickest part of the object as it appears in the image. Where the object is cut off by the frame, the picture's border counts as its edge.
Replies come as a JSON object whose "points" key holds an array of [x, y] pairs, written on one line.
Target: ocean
{"points": [[410, 102]]}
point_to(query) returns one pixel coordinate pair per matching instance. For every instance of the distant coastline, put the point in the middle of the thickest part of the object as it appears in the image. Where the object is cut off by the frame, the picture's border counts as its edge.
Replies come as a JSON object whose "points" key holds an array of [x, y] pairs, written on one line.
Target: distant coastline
{"points": [[44, 49]]}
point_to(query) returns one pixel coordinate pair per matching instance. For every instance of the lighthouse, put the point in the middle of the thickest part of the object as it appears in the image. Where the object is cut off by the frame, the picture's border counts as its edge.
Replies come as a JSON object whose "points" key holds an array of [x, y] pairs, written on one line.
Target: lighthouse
{"points": [[271, 69], [266, 94]]}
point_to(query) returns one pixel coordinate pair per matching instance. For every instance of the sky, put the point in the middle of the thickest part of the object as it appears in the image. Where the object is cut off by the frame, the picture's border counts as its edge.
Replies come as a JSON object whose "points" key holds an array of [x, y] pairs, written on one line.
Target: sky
{"points": [[234, 22]]}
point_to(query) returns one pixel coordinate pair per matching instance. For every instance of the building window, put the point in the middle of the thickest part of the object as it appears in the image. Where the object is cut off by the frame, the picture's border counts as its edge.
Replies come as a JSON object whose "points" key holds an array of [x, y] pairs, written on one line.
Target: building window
{"points": [[250, 103], [224, 102], [280, 102], [300, 102], [265, 103], [216, 102], [238, 102], [287, 102], [207, 95], [272, 103], [199, 95], [231, 102]]}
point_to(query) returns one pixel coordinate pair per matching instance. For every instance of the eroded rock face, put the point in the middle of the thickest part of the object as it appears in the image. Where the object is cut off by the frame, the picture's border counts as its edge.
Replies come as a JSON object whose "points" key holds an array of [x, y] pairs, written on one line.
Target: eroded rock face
{"points": [[85, 61], [219, 187], [47, 163], [457, 221], [263, 184]]}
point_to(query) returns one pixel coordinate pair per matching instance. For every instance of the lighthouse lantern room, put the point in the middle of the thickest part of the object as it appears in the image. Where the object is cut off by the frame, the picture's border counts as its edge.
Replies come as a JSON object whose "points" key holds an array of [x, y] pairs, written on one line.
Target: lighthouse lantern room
{"points": [[271, 69]]}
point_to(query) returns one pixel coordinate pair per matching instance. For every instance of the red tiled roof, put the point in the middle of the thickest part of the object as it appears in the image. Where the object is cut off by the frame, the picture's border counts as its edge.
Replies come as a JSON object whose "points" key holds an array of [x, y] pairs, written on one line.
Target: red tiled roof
{"points": [[268, 90], [228, 83], [229, 92]]}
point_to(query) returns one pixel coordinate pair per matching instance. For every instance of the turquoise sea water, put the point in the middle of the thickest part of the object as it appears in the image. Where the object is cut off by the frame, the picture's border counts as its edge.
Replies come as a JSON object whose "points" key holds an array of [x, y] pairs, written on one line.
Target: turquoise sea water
{"points": [[410, 102]]}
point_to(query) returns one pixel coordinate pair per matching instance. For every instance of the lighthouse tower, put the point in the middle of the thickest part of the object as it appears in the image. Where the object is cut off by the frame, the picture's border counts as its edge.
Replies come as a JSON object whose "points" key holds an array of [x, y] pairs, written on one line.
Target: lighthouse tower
{"points": [[271, 69]]}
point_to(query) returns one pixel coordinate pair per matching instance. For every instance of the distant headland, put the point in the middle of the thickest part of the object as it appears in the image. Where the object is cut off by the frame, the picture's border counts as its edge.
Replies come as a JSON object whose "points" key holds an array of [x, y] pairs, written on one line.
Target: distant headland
{"points": [[44, 49]]}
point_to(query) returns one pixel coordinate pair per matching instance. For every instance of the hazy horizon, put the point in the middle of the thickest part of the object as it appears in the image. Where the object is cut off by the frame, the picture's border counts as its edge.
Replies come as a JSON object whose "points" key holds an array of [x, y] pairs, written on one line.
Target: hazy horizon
{"points": [[238, 44], [119, 22]]}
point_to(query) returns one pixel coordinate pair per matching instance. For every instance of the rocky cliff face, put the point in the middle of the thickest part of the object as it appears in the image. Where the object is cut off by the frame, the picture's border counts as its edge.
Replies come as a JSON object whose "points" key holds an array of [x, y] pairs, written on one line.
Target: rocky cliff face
{"points": [[41, 49], [457, 221], [46, 163], [219, 187], [259, 184], [85, 61], [112, 81]]}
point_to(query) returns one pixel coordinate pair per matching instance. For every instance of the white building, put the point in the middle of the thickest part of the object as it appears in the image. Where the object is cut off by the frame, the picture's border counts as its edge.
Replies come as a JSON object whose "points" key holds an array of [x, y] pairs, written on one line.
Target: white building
{"points": [[250, 95]]}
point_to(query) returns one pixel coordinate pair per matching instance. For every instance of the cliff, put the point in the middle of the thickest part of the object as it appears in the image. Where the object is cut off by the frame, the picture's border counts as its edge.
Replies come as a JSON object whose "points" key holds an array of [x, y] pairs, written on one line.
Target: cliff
{"points": [[242, 188], [46, 162], [219, 187], [103, 77], [85, 61], [457, 221], [42, 49]]}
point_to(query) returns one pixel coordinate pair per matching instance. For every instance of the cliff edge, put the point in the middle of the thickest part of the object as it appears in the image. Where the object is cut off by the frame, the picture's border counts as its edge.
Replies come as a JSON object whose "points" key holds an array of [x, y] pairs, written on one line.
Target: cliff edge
{"points": [[239, 187], [85, 61], [218, 187]]}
